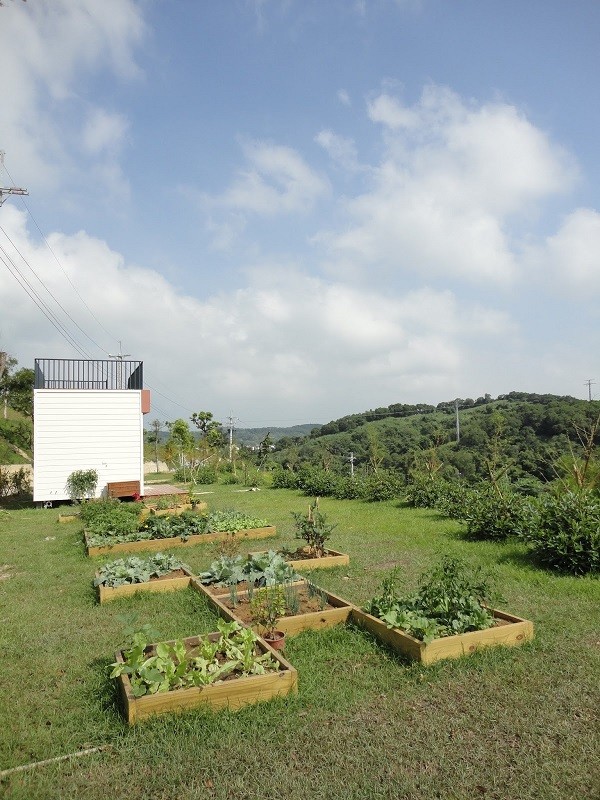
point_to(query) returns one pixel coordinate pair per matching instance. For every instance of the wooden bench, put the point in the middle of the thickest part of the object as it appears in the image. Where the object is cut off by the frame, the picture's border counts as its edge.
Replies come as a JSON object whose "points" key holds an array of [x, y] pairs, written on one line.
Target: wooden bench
{"points": [[123, 488]]}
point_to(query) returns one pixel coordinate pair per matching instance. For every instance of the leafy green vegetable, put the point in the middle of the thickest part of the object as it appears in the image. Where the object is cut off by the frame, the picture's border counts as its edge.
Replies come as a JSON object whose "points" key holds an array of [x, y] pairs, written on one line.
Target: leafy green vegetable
{"points": [[137, 570], [262, 569], [170, 666], [452, 598]]}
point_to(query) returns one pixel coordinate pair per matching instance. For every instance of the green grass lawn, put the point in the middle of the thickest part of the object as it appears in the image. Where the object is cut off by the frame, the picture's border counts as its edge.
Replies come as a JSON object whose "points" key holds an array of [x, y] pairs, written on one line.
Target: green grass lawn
{"points": [[518, 723]]}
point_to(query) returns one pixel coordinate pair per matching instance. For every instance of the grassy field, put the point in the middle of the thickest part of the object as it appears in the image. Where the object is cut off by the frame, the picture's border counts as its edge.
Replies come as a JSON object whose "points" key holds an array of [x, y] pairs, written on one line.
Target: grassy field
{"points": [[518, 723]]}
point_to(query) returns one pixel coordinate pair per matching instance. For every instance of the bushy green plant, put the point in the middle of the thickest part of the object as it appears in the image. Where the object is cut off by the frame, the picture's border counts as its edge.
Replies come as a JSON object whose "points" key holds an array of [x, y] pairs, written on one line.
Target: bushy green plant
{"points": [[204, 476], [110, 517], [223, 571], [170, 665], [232, 521], [261, 569], [317, 482], [313, 528], [489, 514], [266, 606], [284, 479], [451, 598], [81, 484], [348, 488], [423, 491], [378, 487], [134, 569], [453, 497], [183, 525], [566, 533]]}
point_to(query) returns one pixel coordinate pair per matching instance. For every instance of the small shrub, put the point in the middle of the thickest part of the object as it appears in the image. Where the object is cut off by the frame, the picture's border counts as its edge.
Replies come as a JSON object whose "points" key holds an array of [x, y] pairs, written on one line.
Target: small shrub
{"points": [[379, 487], [491, 515], [204, 476], [284, 479], [567, 534], [423, 492], [81, 484], [349, 488], [313, 528], [110, 517], [317, 482]]}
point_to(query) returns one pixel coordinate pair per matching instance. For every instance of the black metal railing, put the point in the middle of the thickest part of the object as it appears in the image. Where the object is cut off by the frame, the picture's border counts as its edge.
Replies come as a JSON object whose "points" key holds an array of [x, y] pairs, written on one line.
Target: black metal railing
{"points": [[67, 373]]}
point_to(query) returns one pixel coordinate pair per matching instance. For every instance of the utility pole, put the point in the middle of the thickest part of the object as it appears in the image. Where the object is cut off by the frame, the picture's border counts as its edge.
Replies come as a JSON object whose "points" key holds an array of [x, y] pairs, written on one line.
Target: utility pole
{"points": [[6, 191], [457, 421], [3, 362], [119, 357], [589, 383], [351, 459], [230, 428]]}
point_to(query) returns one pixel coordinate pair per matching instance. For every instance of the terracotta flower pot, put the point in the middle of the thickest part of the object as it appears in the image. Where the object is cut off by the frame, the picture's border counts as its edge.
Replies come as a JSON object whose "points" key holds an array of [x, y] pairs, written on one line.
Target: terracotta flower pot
{"points": [[276, 639]]}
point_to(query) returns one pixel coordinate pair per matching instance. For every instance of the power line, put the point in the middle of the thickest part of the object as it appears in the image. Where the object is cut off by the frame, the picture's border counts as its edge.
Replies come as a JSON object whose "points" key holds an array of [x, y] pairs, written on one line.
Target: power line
{"points": [[48, 313], [65, 312], [61, 267]]}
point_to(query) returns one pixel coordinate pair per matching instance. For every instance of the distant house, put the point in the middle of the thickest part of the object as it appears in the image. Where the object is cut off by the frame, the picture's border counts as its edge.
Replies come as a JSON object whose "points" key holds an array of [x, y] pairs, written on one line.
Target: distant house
{"points": [[87, 415]]}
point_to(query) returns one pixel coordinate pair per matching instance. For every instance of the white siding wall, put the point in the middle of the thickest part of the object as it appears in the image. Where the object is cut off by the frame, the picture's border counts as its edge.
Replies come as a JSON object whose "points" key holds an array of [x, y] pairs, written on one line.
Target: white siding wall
{"points": [[76, 429]]}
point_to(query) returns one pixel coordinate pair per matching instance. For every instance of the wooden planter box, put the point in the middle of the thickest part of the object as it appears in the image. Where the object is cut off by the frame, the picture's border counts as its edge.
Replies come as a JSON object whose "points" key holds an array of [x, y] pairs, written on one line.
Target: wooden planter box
{"points": [[223, 591], [68, 517], [165, 512], [314, 620], [332, 558], [511, 632], [231, 694], [108, 593], [164, 544]]}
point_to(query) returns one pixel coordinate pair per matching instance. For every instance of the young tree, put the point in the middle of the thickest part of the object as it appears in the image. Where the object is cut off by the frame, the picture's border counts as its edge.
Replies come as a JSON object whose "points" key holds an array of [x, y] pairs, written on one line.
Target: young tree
{"points": [[154, 438], [181, 439], [204, 421]]}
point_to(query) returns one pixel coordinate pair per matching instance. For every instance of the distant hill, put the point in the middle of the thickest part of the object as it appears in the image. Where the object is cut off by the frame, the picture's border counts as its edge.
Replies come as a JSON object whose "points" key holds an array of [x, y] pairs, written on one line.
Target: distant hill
{"points": [[252, 437], [529, 432]]}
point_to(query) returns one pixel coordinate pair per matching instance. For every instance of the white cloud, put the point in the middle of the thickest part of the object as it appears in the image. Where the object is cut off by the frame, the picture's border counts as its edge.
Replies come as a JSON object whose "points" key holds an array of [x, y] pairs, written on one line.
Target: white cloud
{"points": [[570, 259], [340, 149], [48, 48], [103, 131], [344, 97], [275, 181], [284, 346], [445, 196]]}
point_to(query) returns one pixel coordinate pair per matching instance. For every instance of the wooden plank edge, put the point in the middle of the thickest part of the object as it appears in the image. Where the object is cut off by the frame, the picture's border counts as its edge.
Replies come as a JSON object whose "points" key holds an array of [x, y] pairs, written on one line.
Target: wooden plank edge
{"points": [[256, 687], [518, 632], [108, 593], [167, 544]]}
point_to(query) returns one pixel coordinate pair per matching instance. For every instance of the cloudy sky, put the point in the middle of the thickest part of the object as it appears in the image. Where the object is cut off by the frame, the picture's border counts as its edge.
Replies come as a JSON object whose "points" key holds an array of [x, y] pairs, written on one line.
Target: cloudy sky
{"points": [[291, 210]]}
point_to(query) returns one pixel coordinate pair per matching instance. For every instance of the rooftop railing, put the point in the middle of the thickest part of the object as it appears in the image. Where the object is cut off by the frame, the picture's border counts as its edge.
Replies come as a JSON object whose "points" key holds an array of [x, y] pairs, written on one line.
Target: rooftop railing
{"points": [[66, 373]]}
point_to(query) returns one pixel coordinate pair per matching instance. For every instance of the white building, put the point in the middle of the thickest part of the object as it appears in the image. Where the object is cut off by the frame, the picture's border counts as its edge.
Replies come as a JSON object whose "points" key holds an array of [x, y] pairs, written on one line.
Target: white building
{"points": [[87, 415]]}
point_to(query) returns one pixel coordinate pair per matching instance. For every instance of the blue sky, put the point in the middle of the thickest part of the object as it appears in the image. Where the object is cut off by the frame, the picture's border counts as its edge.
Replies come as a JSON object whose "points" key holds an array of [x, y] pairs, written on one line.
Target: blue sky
{"points": [[296, 209]]}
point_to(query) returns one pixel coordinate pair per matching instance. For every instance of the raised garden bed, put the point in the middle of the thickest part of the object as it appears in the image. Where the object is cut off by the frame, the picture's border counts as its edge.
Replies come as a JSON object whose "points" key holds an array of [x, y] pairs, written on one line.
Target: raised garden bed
{"points": [[68, 517], [332, 558], [177, 541], [231, 693], [335, 610], [179, 579], [508, 630], [149, 510]]}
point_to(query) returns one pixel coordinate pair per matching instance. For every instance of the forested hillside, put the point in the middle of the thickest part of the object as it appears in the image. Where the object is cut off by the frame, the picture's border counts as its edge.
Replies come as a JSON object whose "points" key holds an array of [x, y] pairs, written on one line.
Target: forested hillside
{"points": [[530, 432]]}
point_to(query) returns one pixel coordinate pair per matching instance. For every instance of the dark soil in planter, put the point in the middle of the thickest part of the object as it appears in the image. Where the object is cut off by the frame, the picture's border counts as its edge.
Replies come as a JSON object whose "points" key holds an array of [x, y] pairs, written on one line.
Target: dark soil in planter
{"points": [[176, 573], [308, 605]]}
